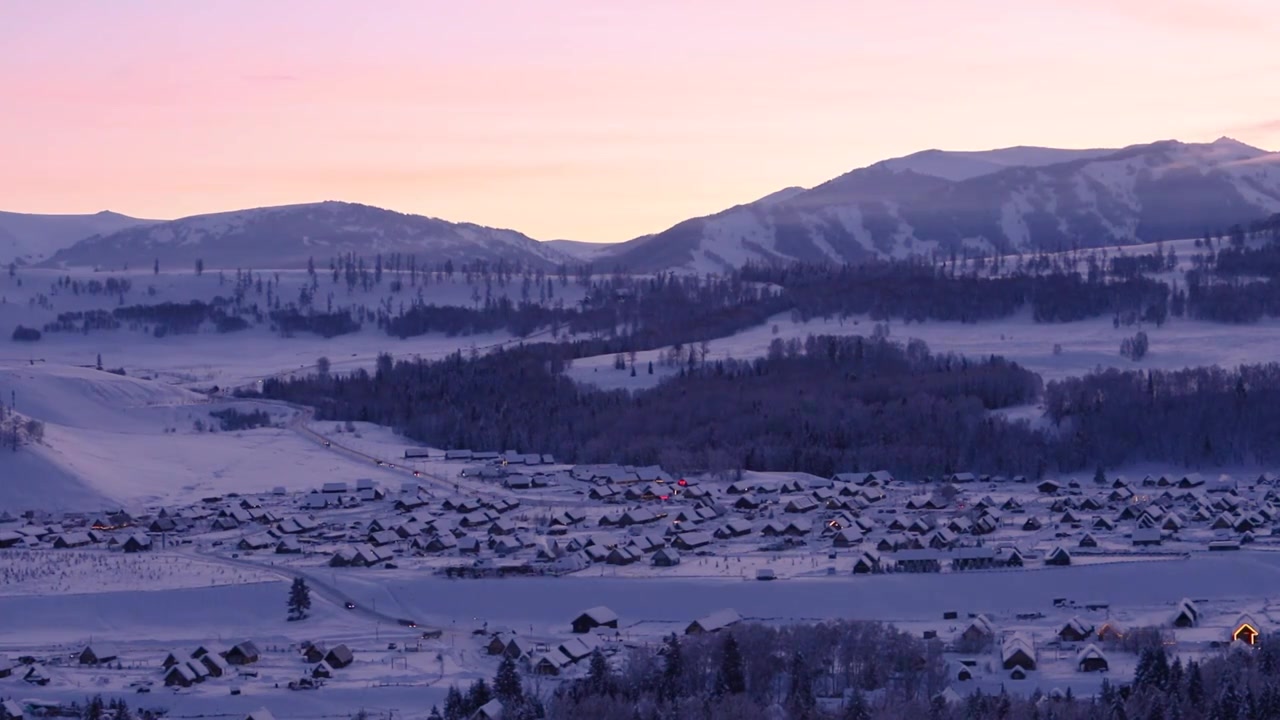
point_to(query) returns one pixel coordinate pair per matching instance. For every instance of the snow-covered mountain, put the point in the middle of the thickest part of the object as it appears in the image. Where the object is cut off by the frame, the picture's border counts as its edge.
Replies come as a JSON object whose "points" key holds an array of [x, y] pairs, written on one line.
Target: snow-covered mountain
{"points": [[287, 236], [1017, 199], [28, 238], [963, 164]]}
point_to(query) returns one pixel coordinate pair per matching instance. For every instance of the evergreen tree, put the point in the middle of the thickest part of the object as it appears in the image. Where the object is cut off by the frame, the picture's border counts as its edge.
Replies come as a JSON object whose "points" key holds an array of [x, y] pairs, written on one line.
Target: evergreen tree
{"points": [[299, 599], [93, 708], [435, 711], [455, 706], [1118, 711], [857, 707], [1195, 686], [672, 668], [731, 679], [599, 675], [506, 683], [1229, 705], [478, 695], [1160, 668], [1176, 677], [800, 695]]}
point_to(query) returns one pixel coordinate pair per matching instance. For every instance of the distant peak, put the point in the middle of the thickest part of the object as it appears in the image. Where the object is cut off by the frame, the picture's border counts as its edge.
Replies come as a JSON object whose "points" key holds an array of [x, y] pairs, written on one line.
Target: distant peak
{"points": [[1225, 141]]}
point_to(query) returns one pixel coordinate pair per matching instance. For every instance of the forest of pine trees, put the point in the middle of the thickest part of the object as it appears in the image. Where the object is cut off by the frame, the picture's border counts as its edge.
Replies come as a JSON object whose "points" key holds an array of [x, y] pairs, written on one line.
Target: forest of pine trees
{"points": [[825, 405]]}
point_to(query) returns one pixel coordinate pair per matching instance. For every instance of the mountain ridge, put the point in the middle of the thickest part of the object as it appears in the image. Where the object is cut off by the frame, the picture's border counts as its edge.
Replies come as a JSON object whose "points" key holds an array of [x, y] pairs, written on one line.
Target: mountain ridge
{"points": [[290, 236], [1007, 200], [1141, 193], [28, 238]]}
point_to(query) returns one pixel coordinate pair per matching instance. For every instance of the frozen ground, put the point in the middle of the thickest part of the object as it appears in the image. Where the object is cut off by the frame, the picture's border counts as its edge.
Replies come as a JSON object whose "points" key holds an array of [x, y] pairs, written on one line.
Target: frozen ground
{"points": [[896, 598], [51, 572], [1085, 345], [209, 358], [112, 440]]}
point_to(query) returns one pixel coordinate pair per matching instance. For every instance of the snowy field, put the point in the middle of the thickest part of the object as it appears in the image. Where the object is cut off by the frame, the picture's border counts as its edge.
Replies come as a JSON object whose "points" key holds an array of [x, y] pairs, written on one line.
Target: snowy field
{"points": [[230, 360], [910, 597], [1086, 345], [112, 440], [57, 572]]}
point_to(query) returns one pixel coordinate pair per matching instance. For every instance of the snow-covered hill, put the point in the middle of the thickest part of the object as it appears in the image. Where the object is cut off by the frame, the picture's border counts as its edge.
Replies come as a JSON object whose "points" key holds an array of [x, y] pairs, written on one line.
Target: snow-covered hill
{"points": [[110, 440], [287, 236], [579, 250], [27, 238], [1017, 199], [962, 164]]}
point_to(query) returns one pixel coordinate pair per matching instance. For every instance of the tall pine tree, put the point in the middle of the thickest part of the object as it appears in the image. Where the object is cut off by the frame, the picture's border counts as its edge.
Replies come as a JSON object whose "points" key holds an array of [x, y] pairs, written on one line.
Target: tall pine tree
{"points": [[506, 683], [731, 679], [299, 599]]}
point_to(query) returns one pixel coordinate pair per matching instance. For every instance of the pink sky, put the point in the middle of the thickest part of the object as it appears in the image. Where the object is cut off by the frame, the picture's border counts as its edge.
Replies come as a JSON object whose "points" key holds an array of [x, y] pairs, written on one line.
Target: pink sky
{"points": [[585, 119]]}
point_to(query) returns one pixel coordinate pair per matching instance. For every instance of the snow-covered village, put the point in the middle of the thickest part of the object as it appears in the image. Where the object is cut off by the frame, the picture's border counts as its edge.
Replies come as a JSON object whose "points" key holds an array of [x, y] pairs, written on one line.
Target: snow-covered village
{"points": [[658, 361]]}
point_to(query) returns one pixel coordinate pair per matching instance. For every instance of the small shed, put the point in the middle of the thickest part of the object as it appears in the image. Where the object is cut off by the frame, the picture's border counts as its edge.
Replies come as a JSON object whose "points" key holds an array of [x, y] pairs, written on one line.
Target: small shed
{"points": [[593, 618], [666, 557], [180, 675], [1058, 557], [339, 657], [245, 653], [1091, 659], [714, 622], [97, 654]]}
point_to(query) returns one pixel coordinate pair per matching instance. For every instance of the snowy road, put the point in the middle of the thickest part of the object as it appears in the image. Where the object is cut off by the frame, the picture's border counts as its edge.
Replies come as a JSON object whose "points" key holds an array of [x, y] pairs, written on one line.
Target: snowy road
{"points": [[318, 586]]}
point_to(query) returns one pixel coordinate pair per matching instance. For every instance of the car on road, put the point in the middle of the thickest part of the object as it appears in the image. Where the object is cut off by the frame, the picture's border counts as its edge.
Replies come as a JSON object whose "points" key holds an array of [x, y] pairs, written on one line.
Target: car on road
{"points": [[407, 623], [349, 605], [328, 444]]}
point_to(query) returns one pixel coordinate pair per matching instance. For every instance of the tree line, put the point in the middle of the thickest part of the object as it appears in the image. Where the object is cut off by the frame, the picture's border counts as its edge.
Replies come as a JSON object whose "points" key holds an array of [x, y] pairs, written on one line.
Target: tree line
{"points": [[1198, 417], [828, 404]]}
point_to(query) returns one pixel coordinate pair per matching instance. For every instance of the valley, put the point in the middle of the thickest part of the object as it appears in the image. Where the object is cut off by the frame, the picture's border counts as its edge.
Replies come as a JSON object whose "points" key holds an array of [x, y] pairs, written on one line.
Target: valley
{"points": [[519, 453]]}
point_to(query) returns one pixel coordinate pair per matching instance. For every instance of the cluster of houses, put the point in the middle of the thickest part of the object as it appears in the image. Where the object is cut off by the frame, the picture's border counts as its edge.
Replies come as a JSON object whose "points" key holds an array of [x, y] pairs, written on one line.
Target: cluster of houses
{"points": [[184, 670], [590, 629], [322, 662], [1016, 653], [624, 515]]}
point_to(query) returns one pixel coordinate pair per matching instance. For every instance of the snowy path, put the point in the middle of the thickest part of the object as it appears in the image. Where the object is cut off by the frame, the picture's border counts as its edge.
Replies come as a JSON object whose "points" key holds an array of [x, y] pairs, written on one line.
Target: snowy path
{"points": [[318, 587]]}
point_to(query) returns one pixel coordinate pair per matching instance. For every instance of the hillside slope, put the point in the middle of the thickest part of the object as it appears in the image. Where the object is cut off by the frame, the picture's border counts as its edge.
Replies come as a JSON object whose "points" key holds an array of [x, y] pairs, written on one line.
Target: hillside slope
{"points": [[27, 238], [288, 236], [1143, 193]]}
